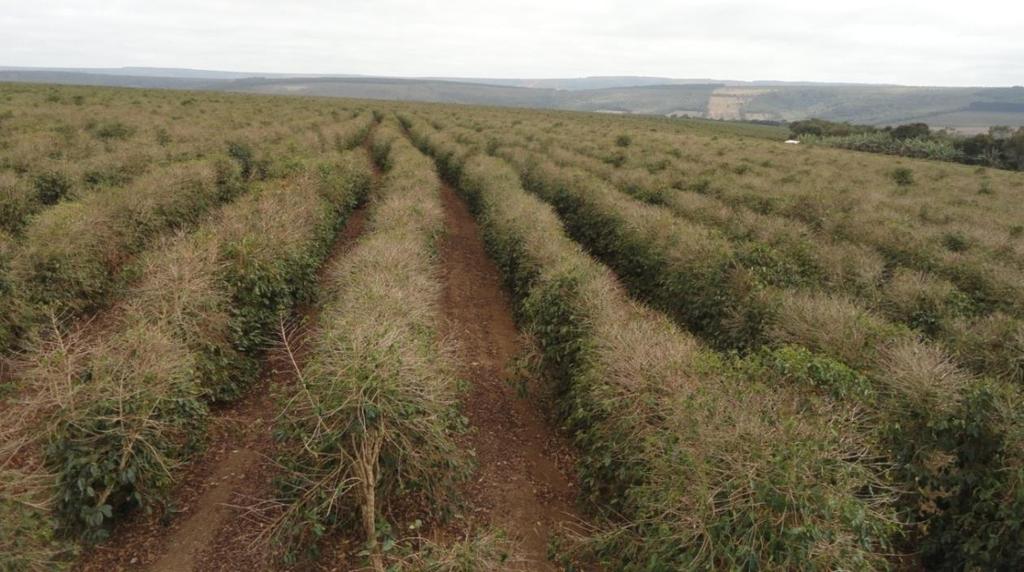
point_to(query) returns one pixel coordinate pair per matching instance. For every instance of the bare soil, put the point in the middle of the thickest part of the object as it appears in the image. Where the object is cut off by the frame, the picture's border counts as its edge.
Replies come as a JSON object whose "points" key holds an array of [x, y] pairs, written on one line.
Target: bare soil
{"points": [[729, 102], [524, 483]]}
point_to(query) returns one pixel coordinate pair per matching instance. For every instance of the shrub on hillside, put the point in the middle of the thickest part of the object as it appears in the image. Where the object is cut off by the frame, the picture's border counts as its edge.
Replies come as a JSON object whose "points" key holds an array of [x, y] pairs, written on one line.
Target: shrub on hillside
{"points": [[52, 187], [992, 344], [823, 128], [923, 302], [10, 304], [18, 201], [243, 154], [117, 171], [115, 442], [108, 130], [911, 131], [955, 241], [29, 540], [902, 176]]}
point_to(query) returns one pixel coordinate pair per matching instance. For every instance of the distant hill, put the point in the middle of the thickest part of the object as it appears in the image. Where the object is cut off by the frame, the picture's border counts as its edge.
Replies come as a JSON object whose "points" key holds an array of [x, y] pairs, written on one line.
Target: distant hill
{"points": [[155, 72], [86, 77], [655, 99], [965, 109], [585, 83], [603, 82]]}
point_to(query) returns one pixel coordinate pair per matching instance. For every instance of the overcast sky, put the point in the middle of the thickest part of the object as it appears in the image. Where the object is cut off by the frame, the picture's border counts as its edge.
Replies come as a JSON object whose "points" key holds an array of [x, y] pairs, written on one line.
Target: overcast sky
{"points": [[937, 42]]}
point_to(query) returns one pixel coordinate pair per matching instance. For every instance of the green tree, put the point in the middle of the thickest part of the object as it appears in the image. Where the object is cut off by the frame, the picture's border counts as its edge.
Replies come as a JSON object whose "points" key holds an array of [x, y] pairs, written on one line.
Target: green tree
{"points": [[911, 131]]}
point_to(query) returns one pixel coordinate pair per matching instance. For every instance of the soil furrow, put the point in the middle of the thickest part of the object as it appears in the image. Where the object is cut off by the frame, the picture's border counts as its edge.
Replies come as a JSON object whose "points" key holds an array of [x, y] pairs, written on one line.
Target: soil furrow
{"points": [[524, 482]]}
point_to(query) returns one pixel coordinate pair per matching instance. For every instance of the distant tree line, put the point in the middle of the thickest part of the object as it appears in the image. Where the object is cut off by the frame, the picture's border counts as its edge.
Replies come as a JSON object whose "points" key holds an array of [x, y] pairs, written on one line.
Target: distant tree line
{"points": [[1002, 147]]}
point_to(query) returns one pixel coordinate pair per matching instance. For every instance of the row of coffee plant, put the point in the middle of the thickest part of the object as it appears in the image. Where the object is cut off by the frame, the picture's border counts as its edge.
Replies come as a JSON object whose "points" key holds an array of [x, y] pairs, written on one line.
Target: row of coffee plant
{"points": [[106, 414], [688, 462], [373, 413], [921, 405]]}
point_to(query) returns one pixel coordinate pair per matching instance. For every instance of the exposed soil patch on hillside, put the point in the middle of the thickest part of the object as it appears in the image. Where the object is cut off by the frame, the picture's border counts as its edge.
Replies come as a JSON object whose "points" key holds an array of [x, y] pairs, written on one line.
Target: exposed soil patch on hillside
{"points": [[523, 484], [729, 102]]}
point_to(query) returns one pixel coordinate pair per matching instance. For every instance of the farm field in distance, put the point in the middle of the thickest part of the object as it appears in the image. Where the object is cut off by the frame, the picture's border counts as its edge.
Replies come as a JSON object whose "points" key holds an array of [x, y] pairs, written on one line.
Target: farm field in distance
{"points": [[271, 332], [967, 110]]}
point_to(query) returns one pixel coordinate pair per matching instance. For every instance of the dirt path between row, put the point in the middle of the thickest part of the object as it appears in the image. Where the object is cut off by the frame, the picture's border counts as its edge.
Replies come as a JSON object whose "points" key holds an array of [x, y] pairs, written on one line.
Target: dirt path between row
{"points": [[207, 529], [524, 482]]}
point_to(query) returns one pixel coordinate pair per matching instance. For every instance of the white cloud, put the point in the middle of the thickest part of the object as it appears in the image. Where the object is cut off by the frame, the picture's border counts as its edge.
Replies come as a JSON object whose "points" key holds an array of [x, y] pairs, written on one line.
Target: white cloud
{"points": [[894, 41]]}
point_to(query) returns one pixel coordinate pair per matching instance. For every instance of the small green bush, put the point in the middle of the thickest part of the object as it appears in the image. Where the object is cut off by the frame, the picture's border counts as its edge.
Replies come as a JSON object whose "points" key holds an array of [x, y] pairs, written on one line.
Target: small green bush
{"points": [[902, 176], [112, 130], [110, 176], [115, 449], [29, 540], [924, 302], [955, 242], [52, 187], [18, 201], [796, 364], [244, 155], [773, 267], [970, 492], [701, 186], [615, 159], [10, 303], [992, 344], [162, 136]]}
